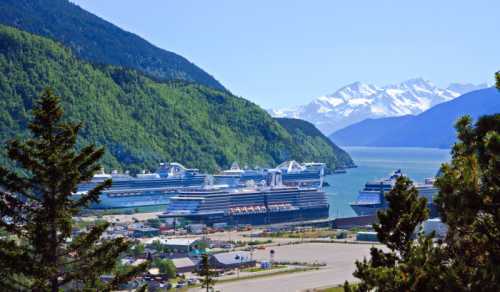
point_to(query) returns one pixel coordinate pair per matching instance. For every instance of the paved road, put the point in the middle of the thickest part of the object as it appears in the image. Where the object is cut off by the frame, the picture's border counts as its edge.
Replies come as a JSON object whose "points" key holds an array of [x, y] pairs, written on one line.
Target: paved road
{"points": [[291, 282], [338, 257]]}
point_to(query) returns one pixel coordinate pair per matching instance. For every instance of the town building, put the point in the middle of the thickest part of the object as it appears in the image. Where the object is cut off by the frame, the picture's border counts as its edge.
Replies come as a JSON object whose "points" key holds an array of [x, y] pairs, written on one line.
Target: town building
{"points": [[184, 265], [139, 232], [232, 260]]}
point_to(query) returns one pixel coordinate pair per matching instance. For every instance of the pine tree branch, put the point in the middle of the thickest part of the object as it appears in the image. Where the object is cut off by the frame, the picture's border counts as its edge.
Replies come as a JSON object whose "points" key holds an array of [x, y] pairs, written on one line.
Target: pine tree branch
{"points": [[85, 161], [127, 276], [15, 184], [95, 262], [13, 212], [87, 239], [92, 195], [9, 283], [11, 256], [20, 152]]}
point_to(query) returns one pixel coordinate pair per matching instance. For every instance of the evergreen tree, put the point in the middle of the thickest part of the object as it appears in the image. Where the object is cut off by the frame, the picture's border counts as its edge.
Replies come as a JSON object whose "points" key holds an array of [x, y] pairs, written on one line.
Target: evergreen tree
{"points": [[166, 266], [37, 206], [406, 211], [347, 287], [206, 272], [497, 77], [395, 229], [468, 202]]}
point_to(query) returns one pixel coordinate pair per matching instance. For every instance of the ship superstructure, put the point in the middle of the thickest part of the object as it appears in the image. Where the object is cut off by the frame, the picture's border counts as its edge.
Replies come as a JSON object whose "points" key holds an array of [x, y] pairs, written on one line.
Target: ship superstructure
{"points": [[272, 203], [293, 174], [145, 189], [372, 197]]}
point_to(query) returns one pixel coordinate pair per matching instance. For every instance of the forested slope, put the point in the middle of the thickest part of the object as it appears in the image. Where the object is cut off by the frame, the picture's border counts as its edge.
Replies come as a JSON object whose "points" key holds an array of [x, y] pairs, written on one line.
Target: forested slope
{"points": [[306, 134], [141, 121], [94, 39]]}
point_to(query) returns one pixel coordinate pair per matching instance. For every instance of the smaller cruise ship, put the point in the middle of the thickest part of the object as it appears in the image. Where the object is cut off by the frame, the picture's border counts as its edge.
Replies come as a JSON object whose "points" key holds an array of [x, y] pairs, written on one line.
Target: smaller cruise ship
{"points": [[145, 189], [256, 205], [372, 197], [293, 174]]}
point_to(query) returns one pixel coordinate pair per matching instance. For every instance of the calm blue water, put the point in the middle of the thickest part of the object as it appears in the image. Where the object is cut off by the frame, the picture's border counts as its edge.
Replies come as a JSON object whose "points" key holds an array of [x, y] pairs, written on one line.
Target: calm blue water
{"points": [[379, 162]]}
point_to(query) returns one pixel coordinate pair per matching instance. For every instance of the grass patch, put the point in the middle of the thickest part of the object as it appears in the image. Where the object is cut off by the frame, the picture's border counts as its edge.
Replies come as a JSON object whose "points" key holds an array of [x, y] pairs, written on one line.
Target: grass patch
{"points": [[259, 269], [265, 275], [339, 288], [333, 289], [258, 276], [321, 233]]}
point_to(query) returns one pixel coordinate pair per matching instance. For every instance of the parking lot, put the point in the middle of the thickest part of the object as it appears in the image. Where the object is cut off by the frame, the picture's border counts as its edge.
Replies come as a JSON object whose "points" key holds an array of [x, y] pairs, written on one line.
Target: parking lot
{"points": [[338, 257]]}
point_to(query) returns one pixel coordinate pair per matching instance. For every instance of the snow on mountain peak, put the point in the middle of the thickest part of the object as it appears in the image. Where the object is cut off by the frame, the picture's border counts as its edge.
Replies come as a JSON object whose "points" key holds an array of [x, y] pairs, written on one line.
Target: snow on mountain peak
{"points": [[358, 101], [356, 90]]}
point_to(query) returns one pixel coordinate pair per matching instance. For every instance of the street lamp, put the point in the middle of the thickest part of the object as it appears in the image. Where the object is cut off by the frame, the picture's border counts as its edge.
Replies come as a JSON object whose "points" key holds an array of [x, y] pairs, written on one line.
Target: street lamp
{"points": [[240, 258], [251, 252]]}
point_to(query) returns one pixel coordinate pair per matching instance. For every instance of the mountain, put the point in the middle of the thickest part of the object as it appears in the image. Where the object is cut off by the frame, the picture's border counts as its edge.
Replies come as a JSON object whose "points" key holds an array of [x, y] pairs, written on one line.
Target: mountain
{"points": [[358, 101], [142, 121], [367, 132], [432, 128], [99, 41], [463, 88]]}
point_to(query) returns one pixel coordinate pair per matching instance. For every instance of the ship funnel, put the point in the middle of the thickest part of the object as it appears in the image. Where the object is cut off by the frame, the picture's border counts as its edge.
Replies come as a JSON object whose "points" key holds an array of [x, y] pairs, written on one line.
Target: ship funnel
{"points": [[274, 178], [209, 180]]}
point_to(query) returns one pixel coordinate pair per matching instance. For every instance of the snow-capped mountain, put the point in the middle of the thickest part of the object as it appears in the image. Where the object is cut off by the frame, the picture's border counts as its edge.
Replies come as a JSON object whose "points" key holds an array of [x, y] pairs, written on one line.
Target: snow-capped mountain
{"points": [[358, 101]]}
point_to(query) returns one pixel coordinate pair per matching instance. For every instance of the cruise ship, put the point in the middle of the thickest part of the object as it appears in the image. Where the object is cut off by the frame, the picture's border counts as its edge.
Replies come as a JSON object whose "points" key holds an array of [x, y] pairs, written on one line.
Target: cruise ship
{"points": [[372, 197], [255, 205], [293, 174], [145, 189]]}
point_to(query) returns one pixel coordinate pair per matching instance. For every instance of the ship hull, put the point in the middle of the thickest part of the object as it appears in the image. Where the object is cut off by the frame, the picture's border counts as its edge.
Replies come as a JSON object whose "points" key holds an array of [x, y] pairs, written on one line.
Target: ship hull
{"points": [[130, 194], [259, 218], [364, 210], [106, 202]]}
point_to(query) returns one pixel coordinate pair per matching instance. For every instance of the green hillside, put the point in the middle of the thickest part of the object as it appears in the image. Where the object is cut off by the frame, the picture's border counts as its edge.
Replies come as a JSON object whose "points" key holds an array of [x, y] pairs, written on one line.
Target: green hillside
{"points": [[97, 40], [142, 121], [315, 145]]}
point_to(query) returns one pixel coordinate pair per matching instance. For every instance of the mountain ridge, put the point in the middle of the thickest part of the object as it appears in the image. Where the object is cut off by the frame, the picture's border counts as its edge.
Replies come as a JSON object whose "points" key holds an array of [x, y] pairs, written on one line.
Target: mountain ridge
{"points": [[304, 133], [99, 41], [357, 101], [141, 121], [431, 128]]}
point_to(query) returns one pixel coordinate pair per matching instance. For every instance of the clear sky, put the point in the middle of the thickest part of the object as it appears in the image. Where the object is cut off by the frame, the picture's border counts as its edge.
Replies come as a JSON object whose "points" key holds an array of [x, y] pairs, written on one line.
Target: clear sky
{"points": [[279, 53]]}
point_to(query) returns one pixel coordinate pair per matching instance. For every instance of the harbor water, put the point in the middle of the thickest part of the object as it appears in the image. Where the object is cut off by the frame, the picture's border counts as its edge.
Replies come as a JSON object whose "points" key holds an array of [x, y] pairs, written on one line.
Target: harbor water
{"points": [[379, 162]]}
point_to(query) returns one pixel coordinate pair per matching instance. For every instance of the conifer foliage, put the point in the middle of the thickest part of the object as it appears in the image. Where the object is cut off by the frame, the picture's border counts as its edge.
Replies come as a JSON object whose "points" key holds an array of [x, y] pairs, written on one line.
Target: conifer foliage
{"points": [[36, 208], [469, 203], [468, 258], [398, 222], [207, 273], [497, 77], [392, 270]]}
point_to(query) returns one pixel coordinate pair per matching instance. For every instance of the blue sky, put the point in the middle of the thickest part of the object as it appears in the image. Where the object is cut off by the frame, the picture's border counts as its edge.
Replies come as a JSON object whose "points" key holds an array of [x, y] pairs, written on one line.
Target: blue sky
{"points": [[283, 53]]}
